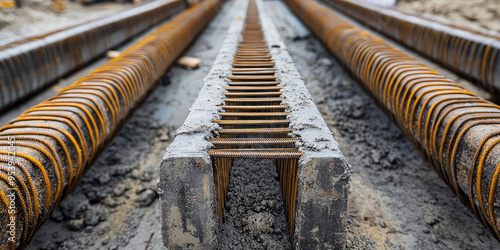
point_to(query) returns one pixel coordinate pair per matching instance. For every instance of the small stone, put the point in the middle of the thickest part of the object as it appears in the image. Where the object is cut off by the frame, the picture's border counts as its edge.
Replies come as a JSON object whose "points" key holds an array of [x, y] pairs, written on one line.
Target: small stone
{"points": [[105, 242], [57, 216], [109, 202], [434, 238], [139, 190], [55, 235], [164, 137], [76, 225], [91, 218], [426, 230], [135, 174], [146, 198], [382, 224], [103, 179], [89, 229], [120, 189]]}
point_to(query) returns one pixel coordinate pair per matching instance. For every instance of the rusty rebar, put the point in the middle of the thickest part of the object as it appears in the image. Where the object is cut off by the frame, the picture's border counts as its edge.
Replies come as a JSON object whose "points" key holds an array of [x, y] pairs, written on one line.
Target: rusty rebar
{"points": [[254, 122], [469, 53], [47, 149], [457, 131], [28, 65]]}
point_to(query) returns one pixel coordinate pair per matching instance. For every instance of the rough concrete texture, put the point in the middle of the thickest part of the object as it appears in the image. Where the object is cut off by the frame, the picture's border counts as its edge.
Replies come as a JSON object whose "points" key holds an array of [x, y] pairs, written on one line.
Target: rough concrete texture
{"points": [[186, 186], [323, 171], [396, 200]]}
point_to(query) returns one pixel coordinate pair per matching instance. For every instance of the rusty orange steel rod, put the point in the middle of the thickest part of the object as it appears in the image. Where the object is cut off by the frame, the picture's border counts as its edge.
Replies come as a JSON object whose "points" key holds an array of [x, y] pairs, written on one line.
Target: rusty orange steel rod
{"points": [[28, 65], [457, 131], [469, 53], [47, 149]]}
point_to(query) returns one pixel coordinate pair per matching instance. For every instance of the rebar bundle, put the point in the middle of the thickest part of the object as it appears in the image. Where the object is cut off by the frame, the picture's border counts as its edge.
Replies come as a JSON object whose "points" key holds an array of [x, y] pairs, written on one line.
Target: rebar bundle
{"points": [[456, 130], [254, 123], [469, 53], [28, 65], [46, 150]]}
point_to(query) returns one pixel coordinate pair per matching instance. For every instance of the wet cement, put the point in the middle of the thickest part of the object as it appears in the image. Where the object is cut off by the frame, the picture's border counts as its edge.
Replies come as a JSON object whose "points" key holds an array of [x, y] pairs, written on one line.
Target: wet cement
{"points": [[255, 216]]}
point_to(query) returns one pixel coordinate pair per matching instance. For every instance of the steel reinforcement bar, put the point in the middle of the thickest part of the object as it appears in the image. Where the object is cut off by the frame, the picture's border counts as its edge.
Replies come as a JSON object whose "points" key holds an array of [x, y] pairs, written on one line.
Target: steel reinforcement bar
{"points": [[28, 65], [469, 53], [253, 104], [47, 149], [456, 130], [254, 122]]}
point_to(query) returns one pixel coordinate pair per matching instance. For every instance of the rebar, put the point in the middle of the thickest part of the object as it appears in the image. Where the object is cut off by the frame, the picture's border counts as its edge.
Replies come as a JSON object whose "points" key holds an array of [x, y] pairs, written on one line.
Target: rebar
{"points": [[457, 131], [29, 65], [46, 150], [469, 53], [254, 123]]}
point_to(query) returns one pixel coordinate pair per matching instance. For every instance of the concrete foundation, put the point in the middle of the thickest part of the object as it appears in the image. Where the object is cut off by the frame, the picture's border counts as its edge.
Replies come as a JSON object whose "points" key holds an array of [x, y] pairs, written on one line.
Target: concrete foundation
{"points": [[186, 183]]}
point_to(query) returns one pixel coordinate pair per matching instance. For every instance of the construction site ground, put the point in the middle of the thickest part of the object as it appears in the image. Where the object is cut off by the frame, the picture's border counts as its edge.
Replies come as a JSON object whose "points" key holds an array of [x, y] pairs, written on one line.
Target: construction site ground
{"points": [[396, 199]]}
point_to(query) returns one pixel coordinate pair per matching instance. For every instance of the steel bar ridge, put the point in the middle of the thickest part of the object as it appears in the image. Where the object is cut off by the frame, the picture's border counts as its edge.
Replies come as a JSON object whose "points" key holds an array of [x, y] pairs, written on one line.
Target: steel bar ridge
{"points": [[45, 151], [469, 53], [457, 131], [28, 65]]}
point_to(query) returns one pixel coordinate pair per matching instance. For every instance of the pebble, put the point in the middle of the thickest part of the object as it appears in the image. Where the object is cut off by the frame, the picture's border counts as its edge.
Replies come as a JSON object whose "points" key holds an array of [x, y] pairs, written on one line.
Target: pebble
{"points": [[76, 225], [57, 216], [120, 189], [109, 202], [382, 224], [146, 198], [89, 229], [140, 190], [434, 238]]}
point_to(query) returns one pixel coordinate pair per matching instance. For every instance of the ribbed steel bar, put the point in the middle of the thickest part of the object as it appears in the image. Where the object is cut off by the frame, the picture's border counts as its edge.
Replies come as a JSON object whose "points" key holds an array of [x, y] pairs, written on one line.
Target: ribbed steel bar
{"points": [[28, 65], [469, 53], [456, 130], [254, 123], [47, 149]]}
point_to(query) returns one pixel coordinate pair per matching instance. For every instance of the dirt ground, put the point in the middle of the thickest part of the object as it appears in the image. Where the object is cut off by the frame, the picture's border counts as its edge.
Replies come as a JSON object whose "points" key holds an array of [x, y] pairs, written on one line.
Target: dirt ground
{"points": [[38, 17], [469, 13], [396, 199]]}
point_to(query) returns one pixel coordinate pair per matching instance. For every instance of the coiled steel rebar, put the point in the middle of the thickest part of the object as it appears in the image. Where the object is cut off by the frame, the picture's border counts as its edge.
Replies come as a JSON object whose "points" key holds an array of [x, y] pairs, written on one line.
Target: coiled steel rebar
{"points": [[28, 65], [469, 53], [47, 149], [457, 131], [254, 123]]}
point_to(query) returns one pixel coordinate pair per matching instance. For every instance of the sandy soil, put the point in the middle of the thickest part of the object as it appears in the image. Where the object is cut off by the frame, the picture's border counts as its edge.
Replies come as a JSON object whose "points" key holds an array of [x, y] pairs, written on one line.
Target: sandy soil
{"points": [[469, 13], [38, 17]]}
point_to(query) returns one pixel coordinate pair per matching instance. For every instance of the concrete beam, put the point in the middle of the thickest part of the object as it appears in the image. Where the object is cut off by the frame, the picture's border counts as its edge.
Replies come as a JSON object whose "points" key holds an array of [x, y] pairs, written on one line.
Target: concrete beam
{"points": [[186, 184], [323, 171]]}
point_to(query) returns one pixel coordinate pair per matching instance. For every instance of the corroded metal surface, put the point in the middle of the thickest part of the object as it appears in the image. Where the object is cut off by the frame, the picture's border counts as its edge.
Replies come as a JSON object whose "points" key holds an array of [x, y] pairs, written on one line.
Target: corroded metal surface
{"points": [[470, 53], [457, 131], [28, 65], [47, 149]]}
